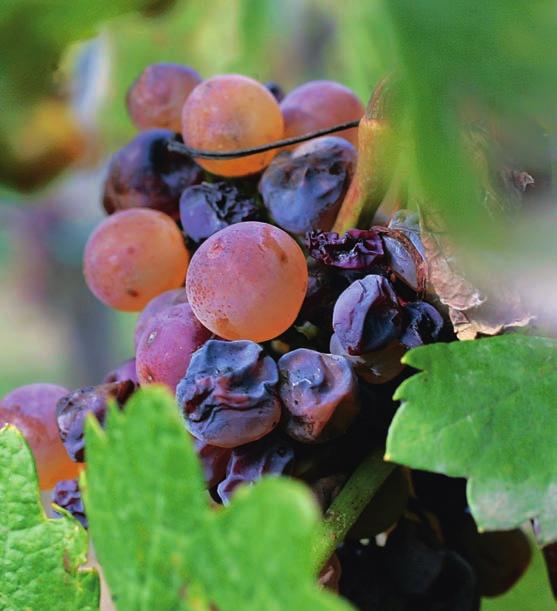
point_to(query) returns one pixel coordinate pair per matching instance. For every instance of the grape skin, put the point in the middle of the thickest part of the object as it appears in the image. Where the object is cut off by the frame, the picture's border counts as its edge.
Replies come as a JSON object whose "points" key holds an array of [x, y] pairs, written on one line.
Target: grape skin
{"points": [[157, 305], [157, 97], [167, 344], [32, 409], [132, 256], [229, 112], [320, 104], [247, 281]]}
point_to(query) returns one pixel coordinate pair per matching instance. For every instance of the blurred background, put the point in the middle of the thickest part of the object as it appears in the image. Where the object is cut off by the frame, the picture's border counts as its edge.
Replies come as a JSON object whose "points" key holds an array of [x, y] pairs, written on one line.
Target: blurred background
{"points": [[53, 157]]}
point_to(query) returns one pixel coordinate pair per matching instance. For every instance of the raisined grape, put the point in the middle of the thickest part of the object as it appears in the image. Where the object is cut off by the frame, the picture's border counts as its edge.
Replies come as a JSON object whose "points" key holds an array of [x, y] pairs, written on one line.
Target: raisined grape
{"points": [[157, 305], [209, 207], [319, 392], [72, 409], [32, 409], [165, 348], [275, 89], [228, 393], [343, 149], [422, 324], [247, 281], [366, 315], [305, 193], [157, 97], [122, 373], [229, 112], [145, 174], [133, 256], [357, 249], [320, 104], [271, 455], [67, 495], [214, 461], [329, 575]]}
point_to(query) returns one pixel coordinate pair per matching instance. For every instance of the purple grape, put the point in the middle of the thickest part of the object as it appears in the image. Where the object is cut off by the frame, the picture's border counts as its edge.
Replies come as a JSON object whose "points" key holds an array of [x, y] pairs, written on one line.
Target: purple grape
{"points": [[209, 207], [145, 174], [167, 344], [355, 250], [422, 324], [72, 409], [304, 193], [125, 371], [341, 146], [67, 495], [319, 392], [271, 455], [367, 315], [228, 395], [156, 306]]}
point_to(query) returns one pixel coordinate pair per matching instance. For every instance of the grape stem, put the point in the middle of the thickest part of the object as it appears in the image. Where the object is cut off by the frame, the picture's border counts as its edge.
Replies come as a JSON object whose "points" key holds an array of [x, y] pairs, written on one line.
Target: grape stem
{"points": [[179, 147], [350, 502]]}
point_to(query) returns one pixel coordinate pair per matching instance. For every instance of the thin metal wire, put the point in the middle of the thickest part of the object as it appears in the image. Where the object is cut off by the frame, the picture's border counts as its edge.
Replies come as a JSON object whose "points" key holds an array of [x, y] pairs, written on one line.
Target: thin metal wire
{"points": [[178, 147]]}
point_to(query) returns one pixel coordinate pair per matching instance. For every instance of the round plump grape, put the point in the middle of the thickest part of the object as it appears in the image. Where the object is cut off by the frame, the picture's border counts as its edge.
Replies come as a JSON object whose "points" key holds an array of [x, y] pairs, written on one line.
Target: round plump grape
{"points": [[271, 455], [145, 174], [157, 305], [73, 407], [167, 344], [366, 315], [67, 495], [132, 256], [305, 193], [320, 104], [319, 392], [210, 207], [228, 395], [247, 281], [32, 409], [230, 112], [342, 147], [124, 372], [157, 97]]}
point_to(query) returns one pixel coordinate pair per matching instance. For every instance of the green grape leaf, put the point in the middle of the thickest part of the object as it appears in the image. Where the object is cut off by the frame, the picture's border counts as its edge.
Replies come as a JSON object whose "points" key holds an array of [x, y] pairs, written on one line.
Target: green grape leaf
{"points": [[39, 557], [160, 543], [485, 410]]}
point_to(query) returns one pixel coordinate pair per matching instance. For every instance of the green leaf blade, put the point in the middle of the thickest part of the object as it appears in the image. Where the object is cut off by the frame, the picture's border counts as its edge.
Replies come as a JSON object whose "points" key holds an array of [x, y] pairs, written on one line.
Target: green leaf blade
{"points": [[162, 546], [485, 410], [39, 557]]}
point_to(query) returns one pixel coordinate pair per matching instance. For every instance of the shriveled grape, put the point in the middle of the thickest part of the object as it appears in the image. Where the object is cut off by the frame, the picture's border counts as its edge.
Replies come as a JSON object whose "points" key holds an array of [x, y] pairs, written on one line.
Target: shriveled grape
{"points": [[247, 281], [167, 344], [32, 409], [357, 249], [319, 392], [67, 495], [228, 393], [214, 461], [318, 105], [342, 147], [229, 112], [303, 193], [209, 207], [133, 256], [156, 306], [272, 455], [73, 408], [146, 174], [157, 97]]}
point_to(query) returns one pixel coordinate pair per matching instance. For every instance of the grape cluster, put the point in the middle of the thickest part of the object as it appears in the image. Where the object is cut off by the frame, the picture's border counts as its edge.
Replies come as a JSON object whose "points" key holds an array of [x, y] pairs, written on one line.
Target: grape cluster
{"points": [[281, 339]]}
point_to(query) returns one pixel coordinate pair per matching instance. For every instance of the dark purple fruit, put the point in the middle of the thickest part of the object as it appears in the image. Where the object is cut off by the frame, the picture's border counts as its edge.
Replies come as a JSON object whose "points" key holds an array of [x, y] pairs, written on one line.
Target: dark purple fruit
{"points": [[228, 393], [66, 494], [145, 174], [357, 249]]}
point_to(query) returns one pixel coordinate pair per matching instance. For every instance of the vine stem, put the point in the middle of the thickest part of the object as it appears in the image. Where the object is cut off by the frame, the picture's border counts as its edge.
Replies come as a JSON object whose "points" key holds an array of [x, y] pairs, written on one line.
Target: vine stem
{"points": [[350, 502], [179, 147]]}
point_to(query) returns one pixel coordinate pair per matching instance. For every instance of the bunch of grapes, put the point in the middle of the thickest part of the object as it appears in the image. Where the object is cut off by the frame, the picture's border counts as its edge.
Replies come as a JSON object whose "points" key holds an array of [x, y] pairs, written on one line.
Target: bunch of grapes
{"points": [[280, 339]]}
